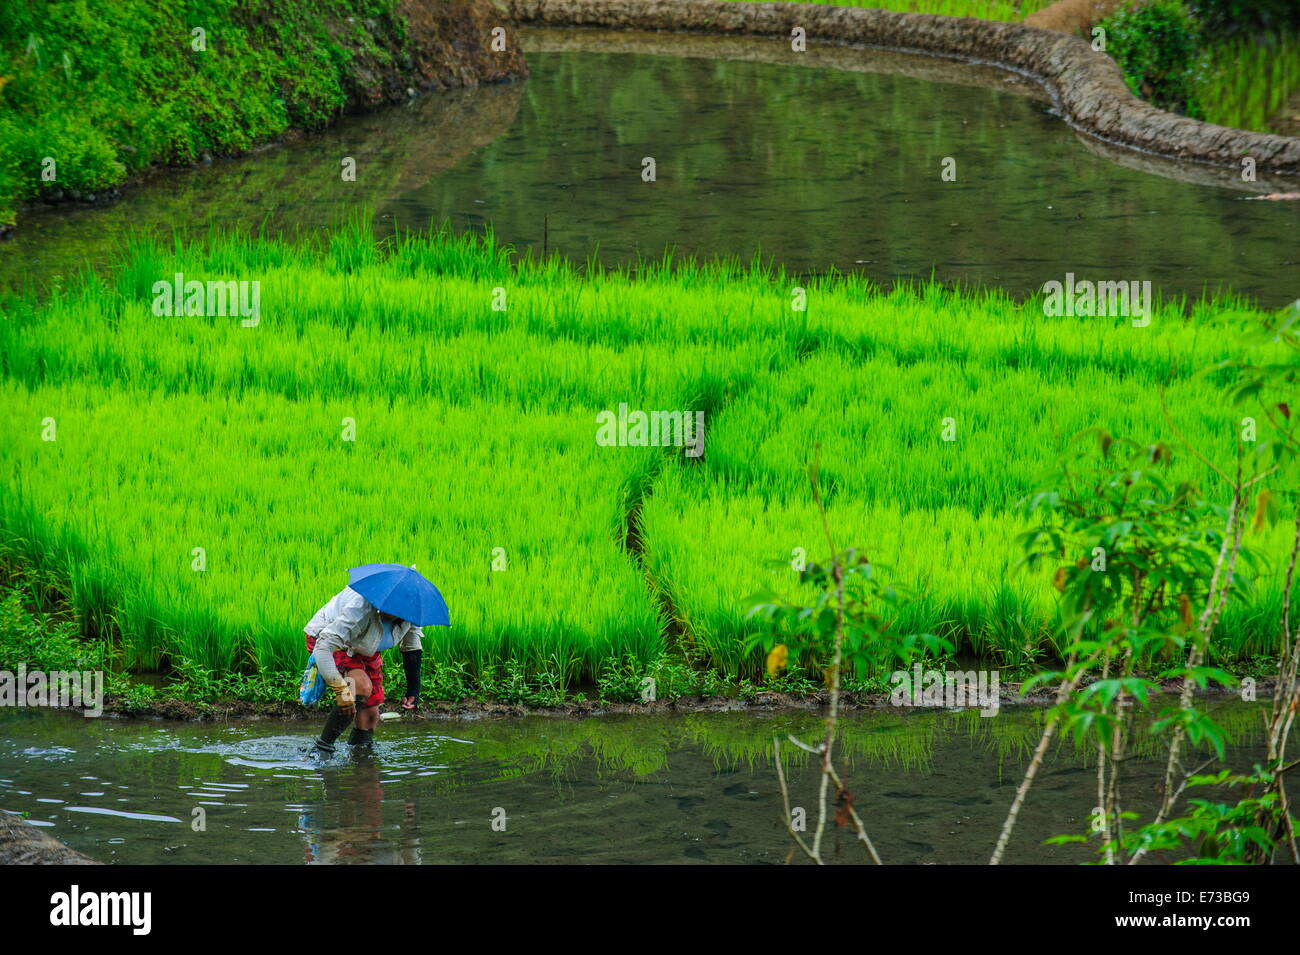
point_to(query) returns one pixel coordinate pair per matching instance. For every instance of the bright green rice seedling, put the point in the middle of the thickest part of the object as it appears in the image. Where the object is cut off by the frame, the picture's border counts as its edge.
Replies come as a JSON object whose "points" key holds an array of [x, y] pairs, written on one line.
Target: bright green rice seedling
{"points": [[939, 513], [202, 486], [1245, 82]]}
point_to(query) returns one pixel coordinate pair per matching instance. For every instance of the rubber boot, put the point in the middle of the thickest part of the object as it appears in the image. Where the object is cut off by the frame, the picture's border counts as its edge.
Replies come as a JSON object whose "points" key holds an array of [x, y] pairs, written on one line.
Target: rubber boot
{"points": [[337, 722], [362, 740]]}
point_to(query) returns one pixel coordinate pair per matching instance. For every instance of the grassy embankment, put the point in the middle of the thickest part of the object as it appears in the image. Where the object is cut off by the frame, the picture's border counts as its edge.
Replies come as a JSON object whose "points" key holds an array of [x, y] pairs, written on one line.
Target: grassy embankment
{"points": [[1003, 10], [106, 90], [473, 452]]}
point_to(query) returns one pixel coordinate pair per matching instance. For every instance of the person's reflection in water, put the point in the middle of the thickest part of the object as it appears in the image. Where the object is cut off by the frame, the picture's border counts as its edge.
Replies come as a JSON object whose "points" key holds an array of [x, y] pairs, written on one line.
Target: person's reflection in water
{"points": [[346, 826]]}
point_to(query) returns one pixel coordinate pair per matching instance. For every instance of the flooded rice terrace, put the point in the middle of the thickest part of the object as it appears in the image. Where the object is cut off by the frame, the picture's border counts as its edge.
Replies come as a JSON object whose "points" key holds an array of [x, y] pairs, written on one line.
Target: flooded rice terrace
{"points": [[829, 159], [933, 787]]}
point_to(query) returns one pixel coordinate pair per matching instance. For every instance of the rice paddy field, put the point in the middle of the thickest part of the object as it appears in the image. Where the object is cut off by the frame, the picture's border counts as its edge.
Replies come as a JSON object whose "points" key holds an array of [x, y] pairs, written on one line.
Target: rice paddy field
{"points": [[1245, 83], [202, 485]]}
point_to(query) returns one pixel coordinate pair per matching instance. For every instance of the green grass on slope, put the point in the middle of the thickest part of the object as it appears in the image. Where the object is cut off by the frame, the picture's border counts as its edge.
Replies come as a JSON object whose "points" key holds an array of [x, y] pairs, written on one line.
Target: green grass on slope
{"points": [[475, 453], [1004, 10], [106, 89]]}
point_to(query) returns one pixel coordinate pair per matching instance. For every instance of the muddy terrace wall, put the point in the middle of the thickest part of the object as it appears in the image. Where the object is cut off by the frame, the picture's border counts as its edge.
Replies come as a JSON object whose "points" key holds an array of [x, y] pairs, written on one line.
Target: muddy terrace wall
{"points": [[450, 43], [1086, 86], [447, 46]]}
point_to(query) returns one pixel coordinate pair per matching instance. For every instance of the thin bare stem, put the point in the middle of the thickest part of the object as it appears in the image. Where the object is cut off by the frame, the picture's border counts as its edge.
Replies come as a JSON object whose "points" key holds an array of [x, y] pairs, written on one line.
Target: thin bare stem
{"points": [[825, 752], [785, 799], [1040, 751]]}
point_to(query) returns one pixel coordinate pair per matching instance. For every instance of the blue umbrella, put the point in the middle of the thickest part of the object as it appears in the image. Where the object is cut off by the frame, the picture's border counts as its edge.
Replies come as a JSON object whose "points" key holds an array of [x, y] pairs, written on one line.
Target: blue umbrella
{"points": [[401, 591]]}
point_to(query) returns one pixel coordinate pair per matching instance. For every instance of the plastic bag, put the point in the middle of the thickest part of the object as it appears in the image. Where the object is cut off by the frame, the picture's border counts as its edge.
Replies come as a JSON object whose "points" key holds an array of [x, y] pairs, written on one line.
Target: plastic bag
{"points": [[313, 684]]}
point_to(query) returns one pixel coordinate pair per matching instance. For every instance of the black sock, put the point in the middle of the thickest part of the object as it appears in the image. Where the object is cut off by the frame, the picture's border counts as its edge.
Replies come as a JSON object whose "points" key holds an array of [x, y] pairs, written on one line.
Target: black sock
{"points": [[361, 737], [411, 664]]}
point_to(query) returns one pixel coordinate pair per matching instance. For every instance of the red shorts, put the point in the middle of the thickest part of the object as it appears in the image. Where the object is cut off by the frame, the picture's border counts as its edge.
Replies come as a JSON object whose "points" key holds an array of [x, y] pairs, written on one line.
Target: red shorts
{"points": [[371, 665]]}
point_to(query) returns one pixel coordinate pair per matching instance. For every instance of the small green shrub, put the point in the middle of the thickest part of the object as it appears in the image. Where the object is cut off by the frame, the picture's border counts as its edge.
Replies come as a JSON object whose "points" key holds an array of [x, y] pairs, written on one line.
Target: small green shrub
{"points": [[194, 683], [39, 642], [620, 681], [1156, 46], [131, 697], [1209, 833], [516, 685], [446, 680]]}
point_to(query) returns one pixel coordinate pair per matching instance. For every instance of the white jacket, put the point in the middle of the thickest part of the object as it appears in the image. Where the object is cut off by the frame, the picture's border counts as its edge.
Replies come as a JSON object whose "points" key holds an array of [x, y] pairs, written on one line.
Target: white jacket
{"points": [[350, 622]]}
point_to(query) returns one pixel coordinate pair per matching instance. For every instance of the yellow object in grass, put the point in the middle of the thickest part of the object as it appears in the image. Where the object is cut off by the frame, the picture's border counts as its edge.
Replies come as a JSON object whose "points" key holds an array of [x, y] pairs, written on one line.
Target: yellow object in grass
{"points": [[776, 660]]}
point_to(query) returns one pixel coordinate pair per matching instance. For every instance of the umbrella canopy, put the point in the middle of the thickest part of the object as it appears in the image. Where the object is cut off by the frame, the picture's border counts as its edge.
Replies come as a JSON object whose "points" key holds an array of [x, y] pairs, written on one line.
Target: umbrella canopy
{"points": [[401, 591]]}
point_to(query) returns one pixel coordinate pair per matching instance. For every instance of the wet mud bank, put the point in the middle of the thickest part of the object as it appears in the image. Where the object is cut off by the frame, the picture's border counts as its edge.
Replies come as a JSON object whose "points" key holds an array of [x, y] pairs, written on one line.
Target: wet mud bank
{"points": [[1009, 695], [24, 844], [1086, 86], [451, 46]]}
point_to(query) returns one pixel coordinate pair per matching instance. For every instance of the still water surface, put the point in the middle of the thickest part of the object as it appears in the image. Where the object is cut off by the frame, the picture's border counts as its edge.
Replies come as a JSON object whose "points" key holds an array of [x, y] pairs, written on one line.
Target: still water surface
{"points": [[934, 787]]}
